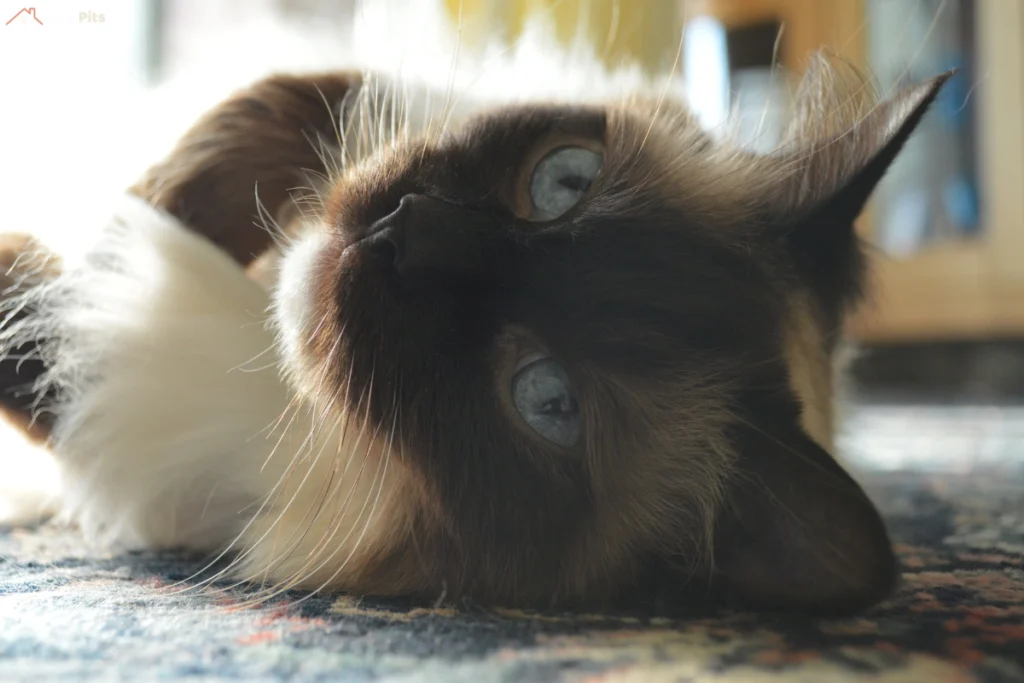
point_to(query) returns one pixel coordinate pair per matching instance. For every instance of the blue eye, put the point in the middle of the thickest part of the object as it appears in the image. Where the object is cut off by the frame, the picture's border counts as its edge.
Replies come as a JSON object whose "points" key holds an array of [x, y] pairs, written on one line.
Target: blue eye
{"points": [[561, 179], [544, 397]]}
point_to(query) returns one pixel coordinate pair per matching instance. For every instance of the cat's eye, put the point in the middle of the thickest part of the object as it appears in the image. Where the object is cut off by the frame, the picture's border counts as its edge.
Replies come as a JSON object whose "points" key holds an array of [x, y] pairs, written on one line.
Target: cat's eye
{"points": [[544, 398], [561, 179]]}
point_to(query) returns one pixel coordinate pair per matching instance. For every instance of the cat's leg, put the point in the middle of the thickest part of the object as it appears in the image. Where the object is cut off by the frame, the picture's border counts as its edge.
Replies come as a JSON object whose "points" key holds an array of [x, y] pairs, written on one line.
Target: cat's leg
{"points": [[258, 148], [155, 350], [155, 433]]}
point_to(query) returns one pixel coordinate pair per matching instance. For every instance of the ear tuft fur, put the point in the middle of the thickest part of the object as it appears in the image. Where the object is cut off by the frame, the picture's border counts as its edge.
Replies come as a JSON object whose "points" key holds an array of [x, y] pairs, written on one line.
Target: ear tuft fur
{"points": [[842, 134], [839, 146]]}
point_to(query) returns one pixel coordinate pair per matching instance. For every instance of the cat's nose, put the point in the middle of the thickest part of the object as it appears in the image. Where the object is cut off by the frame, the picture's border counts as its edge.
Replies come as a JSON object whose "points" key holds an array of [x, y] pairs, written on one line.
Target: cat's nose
{"points": [[428, 235]]}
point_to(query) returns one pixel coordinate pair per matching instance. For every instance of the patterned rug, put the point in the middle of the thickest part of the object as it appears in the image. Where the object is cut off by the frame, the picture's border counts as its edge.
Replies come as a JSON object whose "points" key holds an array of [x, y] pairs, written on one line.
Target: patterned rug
{"points": [[949, 480]]}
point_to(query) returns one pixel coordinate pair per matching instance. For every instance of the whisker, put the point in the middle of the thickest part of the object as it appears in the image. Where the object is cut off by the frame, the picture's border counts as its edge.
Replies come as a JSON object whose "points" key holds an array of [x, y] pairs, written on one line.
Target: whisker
{"points": [[664, 93], [268, 223], [382, 473], [298, 574], [296, 458], [272, 495]]}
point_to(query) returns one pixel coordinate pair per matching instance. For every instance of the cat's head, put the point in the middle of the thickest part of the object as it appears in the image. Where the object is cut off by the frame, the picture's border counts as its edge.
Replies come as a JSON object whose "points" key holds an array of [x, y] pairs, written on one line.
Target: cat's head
{"points": [[587, 348], [596, 341]]}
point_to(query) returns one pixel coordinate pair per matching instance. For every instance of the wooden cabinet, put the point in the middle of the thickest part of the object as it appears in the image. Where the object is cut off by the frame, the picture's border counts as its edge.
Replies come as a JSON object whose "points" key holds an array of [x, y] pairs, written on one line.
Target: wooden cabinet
{"points": [[975, 288]]}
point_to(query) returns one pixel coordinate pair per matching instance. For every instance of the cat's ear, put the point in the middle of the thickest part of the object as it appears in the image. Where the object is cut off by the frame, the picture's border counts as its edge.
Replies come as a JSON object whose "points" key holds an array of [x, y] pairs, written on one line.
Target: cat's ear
{"points": [[839, 147], [796, 532], [244, 158], [844, 144]]}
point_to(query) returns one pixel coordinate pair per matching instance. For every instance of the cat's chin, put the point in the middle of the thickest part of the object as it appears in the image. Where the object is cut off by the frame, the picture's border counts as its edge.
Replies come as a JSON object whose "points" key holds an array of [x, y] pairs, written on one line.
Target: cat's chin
{"points": [[306, 274], [293, 305]]}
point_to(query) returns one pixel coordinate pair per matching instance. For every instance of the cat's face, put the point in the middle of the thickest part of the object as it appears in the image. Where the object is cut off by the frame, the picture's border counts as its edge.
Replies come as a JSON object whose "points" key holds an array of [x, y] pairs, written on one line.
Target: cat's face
{"points": [[577, 335]]}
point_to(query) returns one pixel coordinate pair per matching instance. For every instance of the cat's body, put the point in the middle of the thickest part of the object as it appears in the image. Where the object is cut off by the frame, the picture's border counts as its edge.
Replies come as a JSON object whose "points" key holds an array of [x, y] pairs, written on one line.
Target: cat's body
{"points": [[481, 378]]}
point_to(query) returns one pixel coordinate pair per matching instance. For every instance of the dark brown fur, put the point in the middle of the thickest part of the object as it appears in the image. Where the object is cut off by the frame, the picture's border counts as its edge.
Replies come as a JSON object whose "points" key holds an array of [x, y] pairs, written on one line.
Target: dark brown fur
{"points": [[672, 294]]}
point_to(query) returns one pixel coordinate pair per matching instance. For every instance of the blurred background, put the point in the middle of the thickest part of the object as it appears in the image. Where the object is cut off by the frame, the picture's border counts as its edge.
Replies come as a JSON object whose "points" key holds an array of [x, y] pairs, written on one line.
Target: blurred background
{"points": [[92, 92]]}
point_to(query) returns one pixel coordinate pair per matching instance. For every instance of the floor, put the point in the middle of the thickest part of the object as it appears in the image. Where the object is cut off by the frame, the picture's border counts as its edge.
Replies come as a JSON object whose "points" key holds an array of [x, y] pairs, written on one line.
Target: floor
{"points": [[950, 480]]}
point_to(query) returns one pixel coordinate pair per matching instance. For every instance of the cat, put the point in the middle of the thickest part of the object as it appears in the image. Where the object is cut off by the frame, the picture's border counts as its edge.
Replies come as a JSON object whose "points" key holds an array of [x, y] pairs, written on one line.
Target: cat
{"points": [[552, 353]]}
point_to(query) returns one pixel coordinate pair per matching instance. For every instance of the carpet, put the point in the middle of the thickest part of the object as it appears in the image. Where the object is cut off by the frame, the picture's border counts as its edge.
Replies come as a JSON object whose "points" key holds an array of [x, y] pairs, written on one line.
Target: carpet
{"points": [[949, 480]]}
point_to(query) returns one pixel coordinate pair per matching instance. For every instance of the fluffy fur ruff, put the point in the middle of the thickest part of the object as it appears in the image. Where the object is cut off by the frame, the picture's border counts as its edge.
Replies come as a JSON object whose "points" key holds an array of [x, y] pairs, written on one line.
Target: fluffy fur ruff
{"points": [[175, 424], [162, 430]]}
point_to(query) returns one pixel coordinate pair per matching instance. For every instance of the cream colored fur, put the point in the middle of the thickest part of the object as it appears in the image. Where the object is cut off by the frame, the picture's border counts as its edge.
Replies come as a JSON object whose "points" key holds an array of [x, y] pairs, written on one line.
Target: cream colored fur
{"points": [[160, 439], [178, 428]]}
